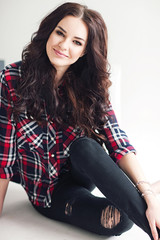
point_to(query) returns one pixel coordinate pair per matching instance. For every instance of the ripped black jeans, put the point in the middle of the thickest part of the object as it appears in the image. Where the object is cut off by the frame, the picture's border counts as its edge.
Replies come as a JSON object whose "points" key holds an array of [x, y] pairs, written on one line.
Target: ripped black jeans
{"points": [[73, 202]]}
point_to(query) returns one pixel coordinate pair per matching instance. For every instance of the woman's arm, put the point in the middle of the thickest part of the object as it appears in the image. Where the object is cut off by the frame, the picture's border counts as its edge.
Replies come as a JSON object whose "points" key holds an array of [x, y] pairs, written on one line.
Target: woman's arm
{"points": [[130, 165], [3, 190]]}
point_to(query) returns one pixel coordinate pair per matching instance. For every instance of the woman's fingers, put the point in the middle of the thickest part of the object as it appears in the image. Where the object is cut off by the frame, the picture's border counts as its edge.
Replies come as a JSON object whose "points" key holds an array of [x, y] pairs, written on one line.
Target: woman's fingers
{"points": [[154, 232], [152, 225]]}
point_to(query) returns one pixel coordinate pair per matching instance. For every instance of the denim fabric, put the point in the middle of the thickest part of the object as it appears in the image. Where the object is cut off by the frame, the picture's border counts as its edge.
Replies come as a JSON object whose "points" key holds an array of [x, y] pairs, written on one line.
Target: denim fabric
{"points": [[73, 203]]}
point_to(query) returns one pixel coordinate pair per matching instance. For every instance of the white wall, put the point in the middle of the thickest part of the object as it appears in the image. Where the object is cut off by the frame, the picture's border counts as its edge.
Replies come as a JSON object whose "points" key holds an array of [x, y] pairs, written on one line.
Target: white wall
{"points": [[134, 54]]}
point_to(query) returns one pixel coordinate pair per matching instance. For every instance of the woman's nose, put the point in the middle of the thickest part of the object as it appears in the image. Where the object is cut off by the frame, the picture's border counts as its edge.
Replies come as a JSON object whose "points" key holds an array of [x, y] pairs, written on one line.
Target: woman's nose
{"points": [[64, 45]]}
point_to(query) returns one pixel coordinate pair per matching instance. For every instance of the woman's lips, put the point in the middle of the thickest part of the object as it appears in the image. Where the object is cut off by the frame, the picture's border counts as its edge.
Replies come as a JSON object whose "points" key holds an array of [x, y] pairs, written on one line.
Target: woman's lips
{"points": [[58, 53]]}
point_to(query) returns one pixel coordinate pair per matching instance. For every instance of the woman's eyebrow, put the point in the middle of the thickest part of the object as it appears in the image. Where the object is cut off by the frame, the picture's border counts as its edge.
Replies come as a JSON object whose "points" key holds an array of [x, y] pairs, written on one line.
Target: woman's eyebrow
{"points": [[61, 28], [66, 32]]}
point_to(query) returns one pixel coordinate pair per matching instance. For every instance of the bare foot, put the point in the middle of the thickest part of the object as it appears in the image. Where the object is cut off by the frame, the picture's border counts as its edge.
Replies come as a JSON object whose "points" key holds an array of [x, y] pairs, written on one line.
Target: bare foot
{"points": [[156, 187]]}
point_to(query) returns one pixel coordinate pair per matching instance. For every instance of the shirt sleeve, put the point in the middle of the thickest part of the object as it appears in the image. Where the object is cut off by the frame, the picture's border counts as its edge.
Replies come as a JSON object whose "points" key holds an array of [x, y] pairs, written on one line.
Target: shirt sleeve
{"points": [[117, 142], [7, 128]]}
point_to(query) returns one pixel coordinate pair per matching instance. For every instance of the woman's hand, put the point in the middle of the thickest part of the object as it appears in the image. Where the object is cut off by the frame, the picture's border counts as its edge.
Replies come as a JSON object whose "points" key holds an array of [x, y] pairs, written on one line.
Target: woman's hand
{"points": [[130, 165], [153, 214]]}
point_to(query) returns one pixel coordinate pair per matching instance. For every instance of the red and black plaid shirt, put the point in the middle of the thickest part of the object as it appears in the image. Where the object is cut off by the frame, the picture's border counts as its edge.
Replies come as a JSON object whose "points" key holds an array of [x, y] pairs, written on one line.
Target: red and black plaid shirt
{"points": [[39, 153]]}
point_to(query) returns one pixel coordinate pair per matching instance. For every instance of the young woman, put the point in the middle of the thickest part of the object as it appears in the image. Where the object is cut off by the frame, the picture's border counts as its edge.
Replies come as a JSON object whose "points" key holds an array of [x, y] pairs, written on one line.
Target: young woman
{"points": [[59, 136]]}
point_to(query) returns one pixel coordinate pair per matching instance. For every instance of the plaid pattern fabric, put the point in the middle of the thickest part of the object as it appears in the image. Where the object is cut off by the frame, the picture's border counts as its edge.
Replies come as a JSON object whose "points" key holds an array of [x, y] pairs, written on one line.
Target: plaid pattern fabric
{"points": [[39, 153]]}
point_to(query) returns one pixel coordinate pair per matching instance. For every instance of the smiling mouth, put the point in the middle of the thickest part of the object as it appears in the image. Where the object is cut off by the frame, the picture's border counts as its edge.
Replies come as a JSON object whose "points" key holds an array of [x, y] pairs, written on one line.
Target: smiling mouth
{"points": [[58, 53]]}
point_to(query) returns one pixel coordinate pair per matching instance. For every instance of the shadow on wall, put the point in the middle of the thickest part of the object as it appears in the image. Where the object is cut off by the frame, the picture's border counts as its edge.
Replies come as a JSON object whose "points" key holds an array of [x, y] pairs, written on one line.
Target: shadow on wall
{"points": [[1, 64]]}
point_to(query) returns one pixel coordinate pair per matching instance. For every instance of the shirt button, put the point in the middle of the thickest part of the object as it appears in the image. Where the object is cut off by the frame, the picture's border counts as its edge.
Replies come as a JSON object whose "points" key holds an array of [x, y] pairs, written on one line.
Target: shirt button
{"points": [[52, 155], [65, 152]]}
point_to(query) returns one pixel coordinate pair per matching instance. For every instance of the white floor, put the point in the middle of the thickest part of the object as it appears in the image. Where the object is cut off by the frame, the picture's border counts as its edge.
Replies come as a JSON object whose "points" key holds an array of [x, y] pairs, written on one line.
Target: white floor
{"points": [[20, 221]]}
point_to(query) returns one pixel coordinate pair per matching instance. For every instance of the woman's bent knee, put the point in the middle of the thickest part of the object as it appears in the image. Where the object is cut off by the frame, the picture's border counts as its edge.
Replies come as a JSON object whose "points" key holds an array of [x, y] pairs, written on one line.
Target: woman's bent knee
{"points": [[85, 148], [82, 142], [114, 222], [124, 225]]}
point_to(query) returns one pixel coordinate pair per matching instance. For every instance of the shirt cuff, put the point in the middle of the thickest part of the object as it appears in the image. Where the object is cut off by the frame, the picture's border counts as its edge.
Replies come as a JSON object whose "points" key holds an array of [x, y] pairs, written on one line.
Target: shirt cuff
{"points": [[119, 153], [6, 173]]}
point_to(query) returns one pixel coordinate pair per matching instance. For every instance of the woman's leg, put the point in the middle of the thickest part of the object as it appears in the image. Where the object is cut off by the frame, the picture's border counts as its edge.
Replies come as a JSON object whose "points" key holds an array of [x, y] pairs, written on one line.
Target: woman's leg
{"points": [[74, 204], [89, 158]]}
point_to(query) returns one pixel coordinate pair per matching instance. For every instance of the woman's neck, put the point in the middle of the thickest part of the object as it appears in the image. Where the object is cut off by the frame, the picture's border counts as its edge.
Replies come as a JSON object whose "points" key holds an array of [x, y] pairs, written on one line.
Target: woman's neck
{"points": [[59, 75], [58, 78]]}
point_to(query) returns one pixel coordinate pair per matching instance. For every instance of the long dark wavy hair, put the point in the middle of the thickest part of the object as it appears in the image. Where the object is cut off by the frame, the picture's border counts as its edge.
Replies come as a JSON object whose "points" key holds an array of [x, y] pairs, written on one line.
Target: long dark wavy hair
{"points": [[85, 97]]}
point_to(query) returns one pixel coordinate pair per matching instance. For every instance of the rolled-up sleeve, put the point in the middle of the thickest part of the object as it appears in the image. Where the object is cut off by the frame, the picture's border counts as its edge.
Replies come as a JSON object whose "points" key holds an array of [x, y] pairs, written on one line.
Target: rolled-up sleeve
{"points": [[117, 142], [7, 129]]}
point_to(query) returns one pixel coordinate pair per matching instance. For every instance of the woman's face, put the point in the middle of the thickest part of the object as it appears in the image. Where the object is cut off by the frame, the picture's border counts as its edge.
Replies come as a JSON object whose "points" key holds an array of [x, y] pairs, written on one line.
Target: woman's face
{"points": [[67, 42]]}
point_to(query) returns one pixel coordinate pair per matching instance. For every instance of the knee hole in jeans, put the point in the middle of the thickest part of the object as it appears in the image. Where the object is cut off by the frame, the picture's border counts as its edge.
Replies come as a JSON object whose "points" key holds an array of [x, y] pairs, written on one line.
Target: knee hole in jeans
{"points": [[110, 217], [69, 207]]}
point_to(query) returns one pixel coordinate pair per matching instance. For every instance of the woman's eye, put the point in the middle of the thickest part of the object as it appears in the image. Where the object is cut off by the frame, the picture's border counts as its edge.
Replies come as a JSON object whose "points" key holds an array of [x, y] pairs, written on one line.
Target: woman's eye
{"points": [[77, 43], [60, 33]]}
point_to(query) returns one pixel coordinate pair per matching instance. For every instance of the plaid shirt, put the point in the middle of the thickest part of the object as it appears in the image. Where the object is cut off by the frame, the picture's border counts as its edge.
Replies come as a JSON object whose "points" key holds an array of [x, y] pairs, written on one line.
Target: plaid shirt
{"points": [[38, 154]]}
